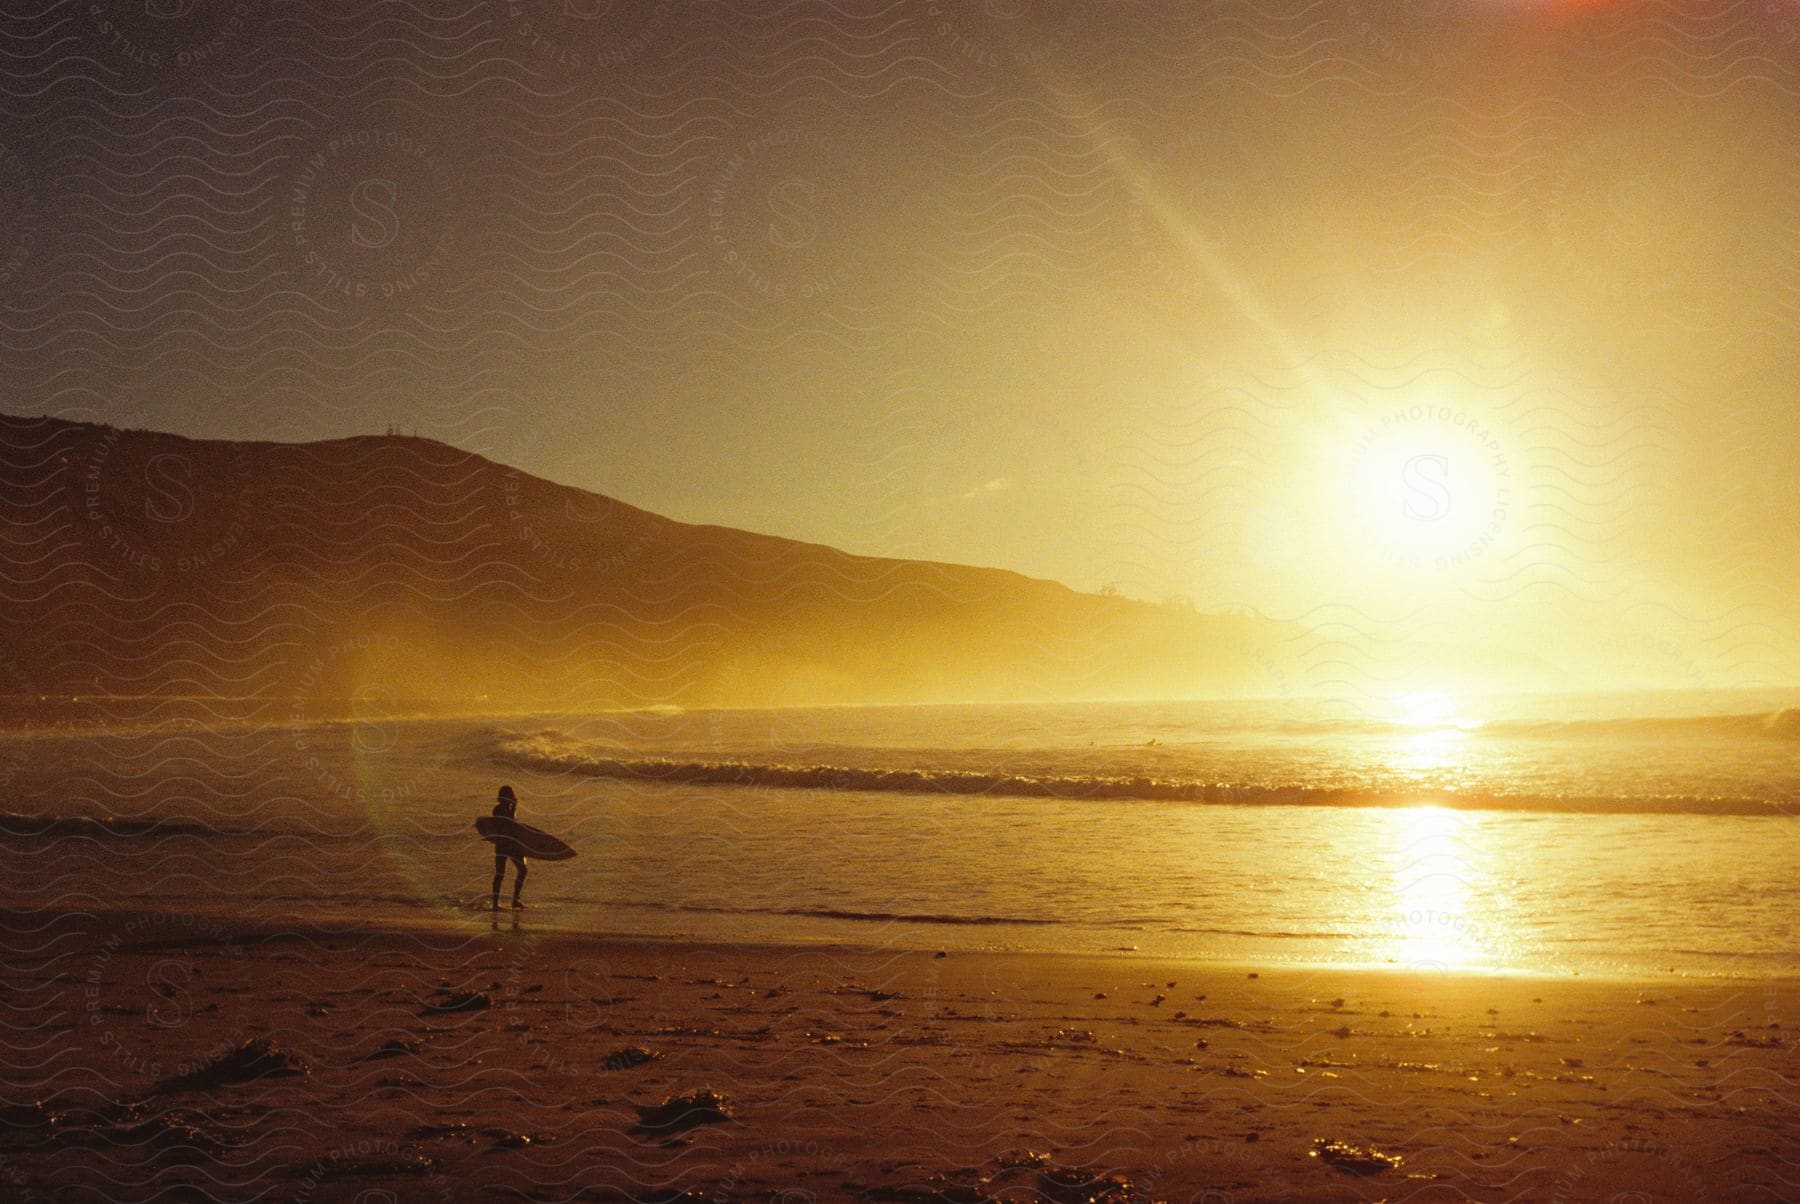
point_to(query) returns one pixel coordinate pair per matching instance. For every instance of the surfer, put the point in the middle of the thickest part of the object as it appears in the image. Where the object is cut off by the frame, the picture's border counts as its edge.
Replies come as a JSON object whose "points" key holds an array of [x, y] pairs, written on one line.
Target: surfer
{"points": [[507, 807]]}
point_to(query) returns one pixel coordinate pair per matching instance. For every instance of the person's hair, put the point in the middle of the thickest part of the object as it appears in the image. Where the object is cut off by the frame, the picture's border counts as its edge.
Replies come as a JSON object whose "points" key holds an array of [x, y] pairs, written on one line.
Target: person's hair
{"points": [[506, 792]]}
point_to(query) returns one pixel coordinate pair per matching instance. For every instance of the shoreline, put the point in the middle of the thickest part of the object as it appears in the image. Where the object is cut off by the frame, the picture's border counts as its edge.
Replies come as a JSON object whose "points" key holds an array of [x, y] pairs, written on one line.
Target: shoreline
{"points": [[533, 927], [529, 926]]}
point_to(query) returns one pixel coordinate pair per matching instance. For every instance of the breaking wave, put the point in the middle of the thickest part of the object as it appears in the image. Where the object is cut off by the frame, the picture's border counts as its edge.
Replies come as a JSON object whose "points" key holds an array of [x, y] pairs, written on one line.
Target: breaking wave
{"points": [[556, 753], [1783, 724]]}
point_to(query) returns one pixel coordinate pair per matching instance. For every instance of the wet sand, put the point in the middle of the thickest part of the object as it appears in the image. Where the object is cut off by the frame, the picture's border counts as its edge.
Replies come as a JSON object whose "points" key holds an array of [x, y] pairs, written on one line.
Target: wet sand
{"points": [[183, 1058]]}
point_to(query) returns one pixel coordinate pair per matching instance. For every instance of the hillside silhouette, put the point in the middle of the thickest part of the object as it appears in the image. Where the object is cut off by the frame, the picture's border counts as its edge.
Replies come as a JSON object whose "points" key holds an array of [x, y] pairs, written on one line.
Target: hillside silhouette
{"points": [[295, 578]]}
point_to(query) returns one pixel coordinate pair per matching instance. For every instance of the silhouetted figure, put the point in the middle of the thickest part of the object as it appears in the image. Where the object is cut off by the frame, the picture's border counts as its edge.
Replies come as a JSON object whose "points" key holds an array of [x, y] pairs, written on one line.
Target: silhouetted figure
{"points": [[504, 847]]}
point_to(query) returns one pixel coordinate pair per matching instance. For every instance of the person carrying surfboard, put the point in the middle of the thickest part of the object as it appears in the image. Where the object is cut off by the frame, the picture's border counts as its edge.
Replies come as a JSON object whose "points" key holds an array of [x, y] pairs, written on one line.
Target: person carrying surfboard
{"points": [[507, 806], [516, 841]]}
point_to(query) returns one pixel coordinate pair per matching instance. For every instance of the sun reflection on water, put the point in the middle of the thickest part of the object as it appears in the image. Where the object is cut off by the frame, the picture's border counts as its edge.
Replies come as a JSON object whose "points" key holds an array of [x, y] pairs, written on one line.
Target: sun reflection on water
{"points": [[1430, 752], [1433, 735], [1442, 913]]}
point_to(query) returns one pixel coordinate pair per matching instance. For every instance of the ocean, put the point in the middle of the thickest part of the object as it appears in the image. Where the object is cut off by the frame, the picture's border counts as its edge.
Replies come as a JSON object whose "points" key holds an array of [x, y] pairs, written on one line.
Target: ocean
{"points": [[1638, 834]]}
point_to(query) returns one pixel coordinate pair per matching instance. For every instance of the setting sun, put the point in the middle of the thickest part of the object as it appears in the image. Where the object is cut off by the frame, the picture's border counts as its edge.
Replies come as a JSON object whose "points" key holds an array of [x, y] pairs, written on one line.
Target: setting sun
{"points": [[1426, 487]]}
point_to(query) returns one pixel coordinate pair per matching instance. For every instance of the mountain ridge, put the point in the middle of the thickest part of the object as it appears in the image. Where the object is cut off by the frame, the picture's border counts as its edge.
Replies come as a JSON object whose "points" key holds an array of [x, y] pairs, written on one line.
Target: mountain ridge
{"points": [[397, 438], [162, 565]]}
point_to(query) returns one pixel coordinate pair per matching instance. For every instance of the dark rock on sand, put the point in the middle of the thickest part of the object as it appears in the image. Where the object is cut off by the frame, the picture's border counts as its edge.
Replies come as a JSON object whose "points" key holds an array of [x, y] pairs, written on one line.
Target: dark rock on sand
{"points": [[1012, 1173], [628, 1058], [1079, 1185], [461, 1130], [407, 1163], [175, 1132], [938, 1190], [399, 1047], [682, 1112], [1353, 1159], [26, 1116], [257, 1058], [171, 1131]]}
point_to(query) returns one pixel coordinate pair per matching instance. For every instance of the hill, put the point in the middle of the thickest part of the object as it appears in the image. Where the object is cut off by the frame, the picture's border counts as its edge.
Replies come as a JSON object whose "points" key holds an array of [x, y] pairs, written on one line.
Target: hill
{"points": [[283, 577]]}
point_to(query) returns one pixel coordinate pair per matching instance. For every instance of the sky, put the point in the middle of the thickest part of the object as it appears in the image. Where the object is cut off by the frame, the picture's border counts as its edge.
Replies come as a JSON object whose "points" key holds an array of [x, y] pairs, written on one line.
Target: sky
{"points": [[1463, 324]]}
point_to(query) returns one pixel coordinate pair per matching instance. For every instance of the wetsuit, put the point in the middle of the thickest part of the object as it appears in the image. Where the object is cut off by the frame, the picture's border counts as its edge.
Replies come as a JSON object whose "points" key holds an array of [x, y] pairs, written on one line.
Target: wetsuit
{"points": [[505, 847]]}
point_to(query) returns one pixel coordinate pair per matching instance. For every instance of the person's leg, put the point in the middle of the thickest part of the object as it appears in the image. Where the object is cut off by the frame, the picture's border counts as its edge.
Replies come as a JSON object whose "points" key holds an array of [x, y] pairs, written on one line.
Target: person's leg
{"points": [[518, 880], [499, 875]]}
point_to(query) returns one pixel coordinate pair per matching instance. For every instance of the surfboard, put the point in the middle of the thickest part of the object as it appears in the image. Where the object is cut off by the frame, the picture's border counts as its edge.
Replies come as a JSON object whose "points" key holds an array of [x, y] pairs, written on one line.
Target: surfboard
{"points": [[533, 842]]}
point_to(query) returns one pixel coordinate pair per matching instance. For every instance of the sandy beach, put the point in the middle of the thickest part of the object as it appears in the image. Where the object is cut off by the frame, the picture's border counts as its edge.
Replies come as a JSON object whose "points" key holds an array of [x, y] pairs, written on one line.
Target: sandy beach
{"points": [[180, 1056]]}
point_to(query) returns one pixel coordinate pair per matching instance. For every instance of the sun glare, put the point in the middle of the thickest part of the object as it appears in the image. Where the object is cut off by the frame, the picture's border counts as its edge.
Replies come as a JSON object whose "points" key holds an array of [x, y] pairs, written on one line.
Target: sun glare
{"points": [[1425, 487]]}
